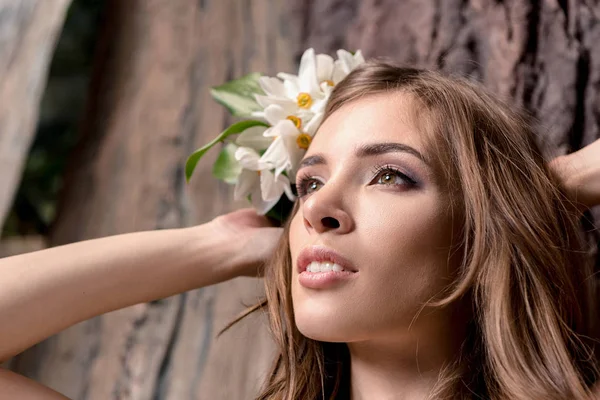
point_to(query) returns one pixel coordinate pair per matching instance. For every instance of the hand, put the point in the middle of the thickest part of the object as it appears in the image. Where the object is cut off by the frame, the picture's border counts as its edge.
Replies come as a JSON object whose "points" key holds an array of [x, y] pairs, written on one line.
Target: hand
{"points": [[255, 233], [580, 174]]}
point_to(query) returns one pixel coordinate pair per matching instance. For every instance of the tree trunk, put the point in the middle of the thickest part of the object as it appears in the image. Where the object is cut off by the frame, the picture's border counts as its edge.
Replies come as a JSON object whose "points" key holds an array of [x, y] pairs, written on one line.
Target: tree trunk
{"points": [[28, 34], [150, 108]]}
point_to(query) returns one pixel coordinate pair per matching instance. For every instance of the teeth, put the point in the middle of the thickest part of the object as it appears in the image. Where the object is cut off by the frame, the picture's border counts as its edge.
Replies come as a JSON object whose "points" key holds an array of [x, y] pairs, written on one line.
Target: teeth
{"points": [[323, 267]]}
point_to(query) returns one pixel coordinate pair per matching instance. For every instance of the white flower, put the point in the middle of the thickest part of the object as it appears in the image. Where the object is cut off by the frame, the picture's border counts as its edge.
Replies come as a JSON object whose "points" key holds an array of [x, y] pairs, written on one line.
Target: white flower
{"points": [[329, 73], [257, 181], [304, 122], [289, 145], [296, 94]]}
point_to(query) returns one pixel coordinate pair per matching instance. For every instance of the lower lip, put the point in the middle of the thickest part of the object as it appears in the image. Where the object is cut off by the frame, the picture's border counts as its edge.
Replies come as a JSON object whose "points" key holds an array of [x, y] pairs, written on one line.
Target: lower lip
{"points": [[324, 280]]}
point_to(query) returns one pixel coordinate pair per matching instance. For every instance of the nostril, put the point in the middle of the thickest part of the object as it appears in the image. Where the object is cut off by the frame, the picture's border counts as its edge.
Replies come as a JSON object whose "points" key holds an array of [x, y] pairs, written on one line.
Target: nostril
{"points": [[330, 222]]}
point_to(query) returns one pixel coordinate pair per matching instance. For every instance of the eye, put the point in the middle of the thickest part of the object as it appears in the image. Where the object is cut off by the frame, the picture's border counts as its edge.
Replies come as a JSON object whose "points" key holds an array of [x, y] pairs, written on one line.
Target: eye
{"points": [[307, 184], [383, 175], [390, 176]]}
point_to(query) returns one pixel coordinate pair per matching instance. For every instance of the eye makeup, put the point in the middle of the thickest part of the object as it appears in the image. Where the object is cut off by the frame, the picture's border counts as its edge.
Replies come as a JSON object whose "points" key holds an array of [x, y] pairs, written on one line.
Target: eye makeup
{"points": [[381, 174]]}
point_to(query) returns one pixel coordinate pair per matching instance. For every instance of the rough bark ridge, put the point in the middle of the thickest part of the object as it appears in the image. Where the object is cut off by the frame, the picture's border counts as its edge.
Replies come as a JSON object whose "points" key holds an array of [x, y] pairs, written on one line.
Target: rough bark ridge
{"points": [[151, 108], [28, 34]]}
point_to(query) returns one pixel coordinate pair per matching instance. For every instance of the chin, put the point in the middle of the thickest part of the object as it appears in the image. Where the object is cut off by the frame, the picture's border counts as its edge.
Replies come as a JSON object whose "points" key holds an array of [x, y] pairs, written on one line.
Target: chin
{"points": [[324, 325]]}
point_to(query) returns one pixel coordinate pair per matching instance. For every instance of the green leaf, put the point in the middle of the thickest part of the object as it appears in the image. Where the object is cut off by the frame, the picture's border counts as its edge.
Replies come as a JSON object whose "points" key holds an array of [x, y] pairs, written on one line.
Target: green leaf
{"points": [[227, 167], [236, 128], [238, 95]]}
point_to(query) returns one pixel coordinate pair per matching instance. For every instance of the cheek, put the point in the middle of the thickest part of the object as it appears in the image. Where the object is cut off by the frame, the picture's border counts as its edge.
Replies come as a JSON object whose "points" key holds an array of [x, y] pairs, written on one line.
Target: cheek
{"points": [[406, 250], [297, 236], [416, 226]]}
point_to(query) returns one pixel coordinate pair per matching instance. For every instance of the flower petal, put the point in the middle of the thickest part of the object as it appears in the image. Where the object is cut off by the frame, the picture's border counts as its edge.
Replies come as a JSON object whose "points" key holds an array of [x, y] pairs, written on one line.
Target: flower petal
{"points": [[249, 159], [345, 58], [294, 152], [265, 101], [272, 86], [284, 127], [291, 84], [312, 125], [307, 73], [319, 106], [277, 155], [292, 88], [338, 72], [288, 191], [324, 67], [349, 61], [358, 58], [254, 138], [270, 187], [246, 183], [262, 207], [326, 88], [275, 113]]}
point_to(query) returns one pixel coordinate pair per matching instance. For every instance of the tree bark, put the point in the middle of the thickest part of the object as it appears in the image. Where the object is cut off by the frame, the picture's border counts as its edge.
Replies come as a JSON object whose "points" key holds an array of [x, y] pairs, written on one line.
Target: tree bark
{"points": [[150, 108], [28, 35]]}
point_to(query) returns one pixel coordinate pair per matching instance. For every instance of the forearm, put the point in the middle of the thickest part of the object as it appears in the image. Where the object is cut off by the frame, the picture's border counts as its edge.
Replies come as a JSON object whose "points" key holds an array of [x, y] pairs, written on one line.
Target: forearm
{"points": [[579, 173], [43, 292]]}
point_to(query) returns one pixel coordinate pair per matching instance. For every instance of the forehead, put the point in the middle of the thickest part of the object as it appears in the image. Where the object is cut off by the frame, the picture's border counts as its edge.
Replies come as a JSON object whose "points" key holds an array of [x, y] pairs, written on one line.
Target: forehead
{"points": [[384, 117]]}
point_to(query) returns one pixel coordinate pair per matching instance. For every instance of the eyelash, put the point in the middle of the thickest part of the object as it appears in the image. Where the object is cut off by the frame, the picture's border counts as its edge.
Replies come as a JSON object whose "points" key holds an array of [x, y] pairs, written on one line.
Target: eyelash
{"points": [[304, 180]]}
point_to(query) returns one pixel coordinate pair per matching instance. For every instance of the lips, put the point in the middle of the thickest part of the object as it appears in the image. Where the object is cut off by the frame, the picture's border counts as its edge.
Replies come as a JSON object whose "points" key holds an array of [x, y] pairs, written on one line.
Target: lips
{"points": [[322, 254]]}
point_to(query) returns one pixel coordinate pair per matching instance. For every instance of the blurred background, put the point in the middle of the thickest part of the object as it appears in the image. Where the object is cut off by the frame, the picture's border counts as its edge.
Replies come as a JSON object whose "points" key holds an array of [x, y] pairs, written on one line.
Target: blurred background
{"points": [[101, 102]]}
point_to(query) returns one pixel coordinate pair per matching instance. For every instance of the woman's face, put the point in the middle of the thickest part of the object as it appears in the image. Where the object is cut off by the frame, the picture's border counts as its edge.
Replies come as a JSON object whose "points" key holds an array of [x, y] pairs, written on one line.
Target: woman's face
{"points": [[371, 204]]}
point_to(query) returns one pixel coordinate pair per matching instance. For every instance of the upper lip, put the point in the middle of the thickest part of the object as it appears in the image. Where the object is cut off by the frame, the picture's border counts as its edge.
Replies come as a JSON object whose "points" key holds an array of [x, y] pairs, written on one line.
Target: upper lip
{"points": [[321, 254]]}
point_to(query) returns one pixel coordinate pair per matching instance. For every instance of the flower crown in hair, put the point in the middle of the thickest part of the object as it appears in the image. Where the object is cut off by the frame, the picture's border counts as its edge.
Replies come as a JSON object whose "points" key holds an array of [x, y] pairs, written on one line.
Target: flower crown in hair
{"points": [[287, 110]]}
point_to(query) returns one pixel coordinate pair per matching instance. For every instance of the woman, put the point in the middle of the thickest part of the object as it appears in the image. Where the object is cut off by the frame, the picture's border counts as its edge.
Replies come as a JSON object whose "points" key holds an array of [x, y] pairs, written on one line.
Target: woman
{"points": [[459, 256], [459, 267]]}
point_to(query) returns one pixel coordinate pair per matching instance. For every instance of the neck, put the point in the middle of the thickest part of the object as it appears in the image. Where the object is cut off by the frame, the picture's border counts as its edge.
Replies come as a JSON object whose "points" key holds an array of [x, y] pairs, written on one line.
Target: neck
{"points": [[405, 367]]}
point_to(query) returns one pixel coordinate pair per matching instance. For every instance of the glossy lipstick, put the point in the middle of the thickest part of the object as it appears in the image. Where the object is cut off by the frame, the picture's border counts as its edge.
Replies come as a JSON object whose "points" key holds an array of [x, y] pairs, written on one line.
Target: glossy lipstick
{"points": [[323, 279]]}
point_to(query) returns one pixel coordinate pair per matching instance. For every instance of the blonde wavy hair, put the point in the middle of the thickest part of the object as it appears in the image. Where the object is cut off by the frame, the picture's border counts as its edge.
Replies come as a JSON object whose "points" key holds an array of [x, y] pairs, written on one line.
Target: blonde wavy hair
{"points": [[524, 270]]}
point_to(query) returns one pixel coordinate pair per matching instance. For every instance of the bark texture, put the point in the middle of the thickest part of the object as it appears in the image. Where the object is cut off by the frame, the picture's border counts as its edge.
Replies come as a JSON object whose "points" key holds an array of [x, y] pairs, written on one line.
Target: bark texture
{"points": [[150, 108], [28, 34]]}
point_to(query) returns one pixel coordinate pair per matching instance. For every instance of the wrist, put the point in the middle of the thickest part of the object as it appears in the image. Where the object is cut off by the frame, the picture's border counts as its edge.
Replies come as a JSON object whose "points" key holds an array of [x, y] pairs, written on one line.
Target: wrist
{"points": [[215, 256], [579, 178]]}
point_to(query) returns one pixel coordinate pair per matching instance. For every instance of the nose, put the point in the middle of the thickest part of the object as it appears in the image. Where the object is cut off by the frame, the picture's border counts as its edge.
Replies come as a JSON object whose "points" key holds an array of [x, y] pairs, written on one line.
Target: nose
{"points": [[324, 211]]}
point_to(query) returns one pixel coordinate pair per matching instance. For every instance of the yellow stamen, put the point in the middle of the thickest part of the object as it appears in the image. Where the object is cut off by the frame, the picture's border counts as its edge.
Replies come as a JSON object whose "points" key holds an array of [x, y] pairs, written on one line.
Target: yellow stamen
{"points": [[303, 141], [329, 82], [297, 121], [304, 100]]}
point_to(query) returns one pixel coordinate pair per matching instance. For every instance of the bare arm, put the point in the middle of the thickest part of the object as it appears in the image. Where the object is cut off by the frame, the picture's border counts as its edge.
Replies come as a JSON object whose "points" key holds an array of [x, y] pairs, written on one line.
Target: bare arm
{"points": [[44, 292], [580, 174], [15, 386]]}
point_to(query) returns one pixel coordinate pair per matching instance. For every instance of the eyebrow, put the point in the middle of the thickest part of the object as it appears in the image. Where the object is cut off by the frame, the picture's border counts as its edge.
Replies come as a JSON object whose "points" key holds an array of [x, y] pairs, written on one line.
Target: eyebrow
{"points": [[368, 150]]}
